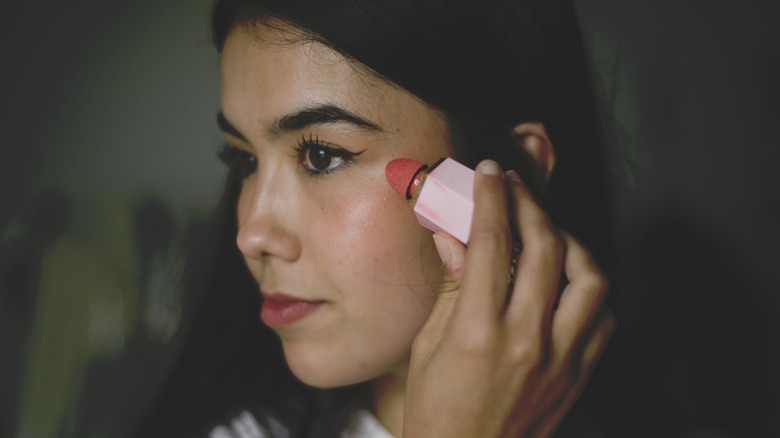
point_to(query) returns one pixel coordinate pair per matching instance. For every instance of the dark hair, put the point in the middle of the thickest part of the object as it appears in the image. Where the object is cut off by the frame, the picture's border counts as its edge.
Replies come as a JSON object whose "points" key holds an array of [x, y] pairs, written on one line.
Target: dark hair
{"points": [[488, 66]]}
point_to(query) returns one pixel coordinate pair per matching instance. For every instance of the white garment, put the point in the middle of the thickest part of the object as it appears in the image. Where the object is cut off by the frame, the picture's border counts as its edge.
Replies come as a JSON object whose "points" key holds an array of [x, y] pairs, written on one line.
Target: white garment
{"points": [[363, 424], [244, 425]]}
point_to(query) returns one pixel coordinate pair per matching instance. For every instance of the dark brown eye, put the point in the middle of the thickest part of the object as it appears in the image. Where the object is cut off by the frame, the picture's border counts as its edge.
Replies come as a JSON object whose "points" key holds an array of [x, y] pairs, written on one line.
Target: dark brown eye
{"points": [[319, 158]]}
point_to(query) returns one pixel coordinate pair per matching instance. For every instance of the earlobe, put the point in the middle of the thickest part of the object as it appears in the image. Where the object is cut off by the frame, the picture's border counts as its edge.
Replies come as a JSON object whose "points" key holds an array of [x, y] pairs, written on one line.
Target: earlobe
{"points": [[532, 137]]}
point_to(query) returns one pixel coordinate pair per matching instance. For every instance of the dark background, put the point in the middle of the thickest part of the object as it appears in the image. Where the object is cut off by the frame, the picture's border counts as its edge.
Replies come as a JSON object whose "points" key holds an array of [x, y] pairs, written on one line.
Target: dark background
{"points": [[108, 157]]}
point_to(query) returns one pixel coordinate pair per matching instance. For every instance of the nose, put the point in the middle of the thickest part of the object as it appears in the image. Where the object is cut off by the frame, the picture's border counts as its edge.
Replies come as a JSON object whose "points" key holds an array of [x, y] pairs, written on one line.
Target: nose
{"points": [[266, 227]]}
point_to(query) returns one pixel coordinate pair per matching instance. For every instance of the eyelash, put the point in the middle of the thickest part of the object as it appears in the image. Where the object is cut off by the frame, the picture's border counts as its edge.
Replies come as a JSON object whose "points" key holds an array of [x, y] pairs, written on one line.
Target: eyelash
{"points": [[307, 144], [238, 160], [245, 164]]}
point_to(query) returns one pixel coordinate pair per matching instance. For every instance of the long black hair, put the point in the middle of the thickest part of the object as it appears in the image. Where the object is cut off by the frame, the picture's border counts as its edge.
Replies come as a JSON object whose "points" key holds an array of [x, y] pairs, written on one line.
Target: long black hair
{"points": [[487, 66]]}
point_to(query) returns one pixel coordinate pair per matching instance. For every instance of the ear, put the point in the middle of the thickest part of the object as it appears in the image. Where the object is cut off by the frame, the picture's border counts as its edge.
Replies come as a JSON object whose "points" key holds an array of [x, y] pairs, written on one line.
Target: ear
{"points": [[532, 137]]}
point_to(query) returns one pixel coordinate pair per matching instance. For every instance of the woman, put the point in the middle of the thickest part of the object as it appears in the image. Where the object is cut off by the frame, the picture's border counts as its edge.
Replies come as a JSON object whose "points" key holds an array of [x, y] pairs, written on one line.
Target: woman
{"points": [[400, 330]]}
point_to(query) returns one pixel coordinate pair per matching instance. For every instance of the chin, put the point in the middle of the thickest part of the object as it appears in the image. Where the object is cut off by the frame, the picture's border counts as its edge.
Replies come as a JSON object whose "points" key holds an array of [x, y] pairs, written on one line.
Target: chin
{"points": [[325, 374], [327, 377]]}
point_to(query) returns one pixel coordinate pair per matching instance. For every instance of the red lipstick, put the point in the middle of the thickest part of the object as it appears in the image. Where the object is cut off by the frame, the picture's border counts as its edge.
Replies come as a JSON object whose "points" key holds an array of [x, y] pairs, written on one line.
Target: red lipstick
{"points": [[442, 195], [279, 310]]}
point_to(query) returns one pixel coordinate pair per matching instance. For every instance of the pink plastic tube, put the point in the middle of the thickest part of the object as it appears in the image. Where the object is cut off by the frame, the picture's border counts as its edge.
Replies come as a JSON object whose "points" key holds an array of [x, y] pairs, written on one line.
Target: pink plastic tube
{"points": [[442, 195]]}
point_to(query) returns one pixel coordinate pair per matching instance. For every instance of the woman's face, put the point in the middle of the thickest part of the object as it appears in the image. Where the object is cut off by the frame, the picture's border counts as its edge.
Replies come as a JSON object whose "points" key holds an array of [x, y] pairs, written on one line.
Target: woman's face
{"points": [[347, 273]]}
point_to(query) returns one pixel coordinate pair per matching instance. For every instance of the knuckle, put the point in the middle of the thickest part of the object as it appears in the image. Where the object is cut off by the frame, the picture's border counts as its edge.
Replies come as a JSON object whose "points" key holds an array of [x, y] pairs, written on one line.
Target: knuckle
{"points": [[479, 342], [595, 282], [528, 354]]}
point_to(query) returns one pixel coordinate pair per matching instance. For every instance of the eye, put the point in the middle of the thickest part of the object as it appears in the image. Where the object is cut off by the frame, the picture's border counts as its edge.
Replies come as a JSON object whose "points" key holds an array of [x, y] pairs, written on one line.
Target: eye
{"points": [[238, 160], [319, 157]]}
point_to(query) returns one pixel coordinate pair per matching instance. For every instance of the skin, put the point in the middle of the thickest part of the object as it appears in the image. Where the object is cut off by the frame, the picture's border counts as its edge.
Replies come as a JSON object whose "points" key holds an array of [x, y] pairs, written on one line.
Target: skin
{"points": [[520, 364], [344, 237], [426, 318]]}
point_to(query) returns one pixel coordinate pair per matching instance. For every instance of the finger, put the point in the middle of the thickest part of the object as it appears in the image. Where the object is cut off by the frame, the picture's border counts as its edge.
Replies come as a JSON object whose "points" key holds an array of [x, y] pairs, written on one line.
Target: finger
{"points": [[582, 298], [583, 369], [487, 258], [607, 323], [594, 348], [538, 266], [453, 257]]}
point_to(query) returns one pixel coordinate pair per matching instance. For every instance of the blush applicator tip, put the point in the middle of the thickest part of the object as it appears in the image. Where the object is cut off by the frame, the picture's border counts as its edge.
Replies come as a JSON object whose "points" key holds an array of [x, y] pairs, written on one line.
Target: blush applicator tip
{"points": [[401, 172]]}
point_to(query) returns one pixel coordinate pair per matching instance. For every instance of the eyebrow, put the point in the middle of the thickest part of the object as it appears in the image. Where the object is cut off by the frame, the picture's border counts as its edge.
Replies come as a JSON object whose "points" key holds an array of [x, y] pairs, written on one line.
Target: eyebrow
{"points": [[228, 127], [303, 118], [322, 114]]}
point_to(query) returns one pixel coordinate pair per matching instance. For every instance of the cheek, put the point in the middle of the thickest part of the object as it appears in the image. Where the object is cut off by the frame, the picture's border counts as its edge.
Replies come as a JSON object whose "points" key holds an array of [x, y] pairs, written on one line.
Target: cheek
{"points": [[390, 273], [376, 233]]}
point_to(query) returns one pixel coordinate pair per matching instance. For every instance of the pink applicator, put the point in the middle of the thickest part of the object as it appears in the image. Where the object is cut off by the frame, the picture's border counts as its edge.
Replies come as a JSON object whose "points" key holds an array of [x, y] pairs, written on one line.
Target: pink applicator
{"points": [[442, 195]]}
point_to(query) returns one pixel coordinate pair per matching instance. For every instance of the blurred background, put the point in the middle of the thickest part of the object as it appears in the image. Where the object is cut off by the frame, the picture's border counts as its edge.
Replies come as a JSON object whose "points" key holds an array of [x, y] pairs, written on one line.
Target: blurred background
{"points": [[109, 162]]}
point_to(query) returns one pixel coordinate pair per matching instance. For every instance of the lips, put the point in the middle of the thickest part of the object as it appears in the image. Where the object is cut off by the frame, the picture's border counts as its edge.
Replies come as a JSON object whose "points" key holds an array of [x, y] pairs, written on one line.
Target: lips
{"points": [[282, 310]]}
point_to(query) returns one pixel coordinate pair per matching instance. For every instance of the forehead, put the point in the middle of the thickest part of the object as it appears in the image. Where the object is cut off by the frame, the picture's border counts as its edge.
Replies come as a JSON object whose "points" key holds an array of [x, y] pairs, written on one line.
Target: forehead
{"points": [[281, 70], [269, 72], [265, 51]]}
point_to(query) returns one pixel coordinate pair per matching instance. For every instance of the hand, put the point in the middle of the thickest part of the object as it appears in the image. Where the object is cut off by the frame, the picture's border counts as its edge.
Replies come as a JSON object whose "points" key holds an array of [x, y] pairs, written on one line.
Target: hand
{"points": [[489, 364]]}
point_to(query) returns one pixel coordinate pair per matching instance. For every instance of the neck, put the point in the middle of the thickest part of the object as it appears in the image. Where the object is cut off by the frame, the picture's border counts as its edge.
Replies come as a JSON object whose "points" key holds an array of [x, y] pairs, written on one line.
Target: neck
{"points": [[389, 396]]}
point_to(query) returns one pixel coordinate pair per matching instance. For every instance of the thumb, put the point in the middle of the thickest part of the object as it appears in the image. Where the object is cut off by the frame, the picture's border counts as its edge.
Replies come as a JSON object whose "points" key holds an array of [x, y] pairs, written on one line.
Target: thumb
{"points": [[453, 259]]}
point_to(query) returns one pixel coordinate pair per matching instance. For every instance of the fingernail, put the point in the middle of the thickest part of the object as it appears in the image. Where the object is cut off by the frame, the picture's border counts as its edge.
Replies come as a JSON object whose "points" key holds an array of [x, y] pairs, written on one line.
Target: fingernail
{"points": [[442, 248], [514, 176], [489, 168]]}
